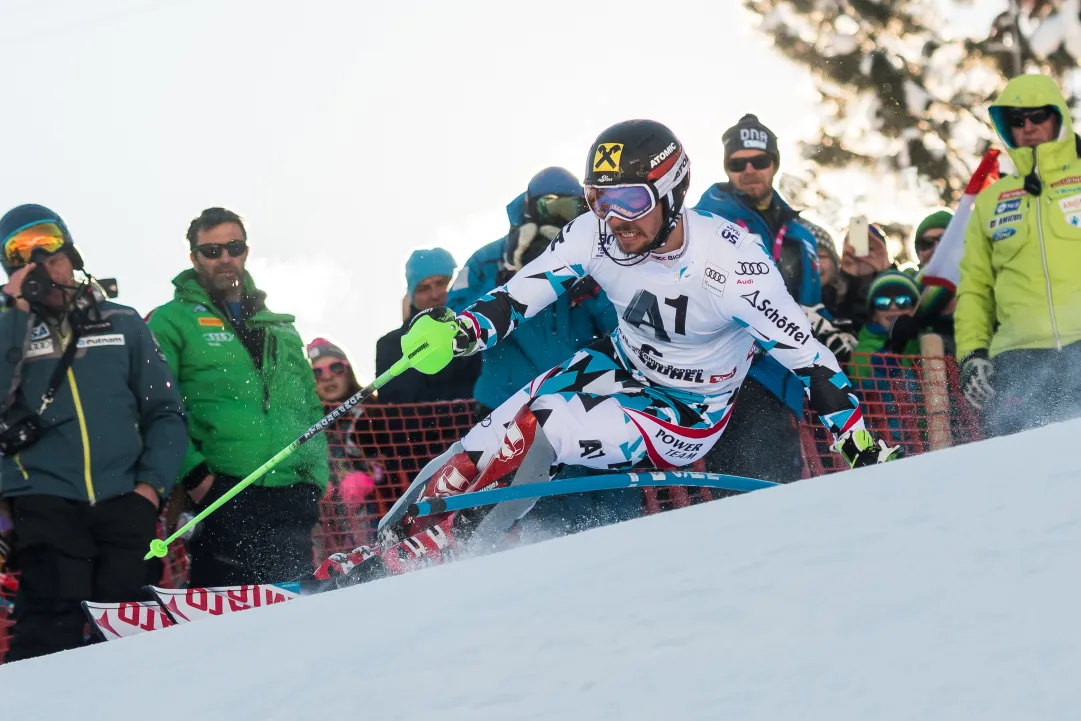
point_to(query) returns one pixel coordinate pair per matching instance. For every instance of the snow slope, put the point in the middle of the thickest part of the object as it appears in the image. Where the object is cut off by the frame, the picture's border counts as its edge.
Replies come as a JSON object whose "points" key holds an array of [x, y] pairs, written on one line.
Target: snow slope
{"points": [[940, 587]]}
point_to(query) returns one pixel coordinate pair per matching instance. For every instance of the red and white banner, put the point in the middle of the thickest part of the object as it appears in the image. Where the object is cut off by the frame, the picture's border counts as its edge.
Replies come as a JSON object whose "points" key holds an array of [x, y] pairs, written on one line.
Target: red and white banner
{"points": [[120, 620], [944, 268]]}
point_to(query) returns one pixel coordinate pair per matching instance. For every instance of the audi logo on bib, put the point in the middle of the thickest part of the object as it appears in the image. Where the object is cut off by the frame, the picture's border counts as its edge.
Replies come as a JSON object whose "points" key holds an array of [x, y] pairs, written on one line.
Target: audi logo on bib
{"points": [[753, 268]]}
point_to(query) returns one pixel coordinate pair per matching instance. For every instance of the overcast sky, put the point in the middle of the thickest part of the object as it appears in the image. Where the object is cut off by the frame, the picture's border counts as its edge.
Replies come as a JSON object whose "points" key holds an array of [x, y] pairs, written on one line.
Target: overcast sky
{"points": [[348, 134]]}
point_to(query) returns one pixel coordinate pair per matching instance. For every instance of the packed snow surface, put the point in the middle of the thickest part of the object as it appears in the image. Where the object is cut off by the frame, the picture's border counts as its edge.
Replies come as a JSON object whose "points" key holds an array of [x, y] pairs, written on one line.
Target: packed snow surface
{"points": [[940, 587]]}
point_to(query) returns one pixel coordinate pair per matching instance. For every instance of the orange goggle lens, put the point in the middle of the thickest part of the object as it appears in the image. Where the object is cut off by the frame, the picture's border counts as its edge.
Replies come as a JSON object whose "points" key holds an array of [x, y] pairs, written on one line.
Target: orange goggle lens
{"points": [[19, 247]]}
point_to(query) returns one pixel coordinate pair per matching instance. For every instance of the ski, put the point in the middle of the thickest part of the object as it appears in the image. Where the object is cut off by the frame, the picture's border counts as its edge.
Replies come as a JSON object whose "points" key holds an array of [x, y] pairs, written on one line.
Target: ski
{"points": [[585, 484], [111, 621], [186, 605]]}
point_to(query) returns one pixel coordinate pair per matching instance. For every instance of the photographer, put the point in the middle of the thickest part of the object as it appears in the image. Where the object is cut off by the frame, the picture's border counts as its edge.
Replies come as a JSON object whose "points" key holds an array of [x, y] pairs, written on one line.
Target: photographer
{"points": [[92, 433]]}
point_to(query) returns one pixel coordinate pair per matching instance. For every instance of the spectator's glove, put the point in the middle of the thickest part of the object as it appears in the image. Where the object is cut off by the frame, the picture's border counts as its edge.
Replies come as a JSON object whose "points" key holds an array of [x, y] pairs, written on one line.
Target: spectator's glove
{"points": [[860, 448], [5, 551], [526, 242], [977, 370], [904, 331], [834, 334], [465, 339]]}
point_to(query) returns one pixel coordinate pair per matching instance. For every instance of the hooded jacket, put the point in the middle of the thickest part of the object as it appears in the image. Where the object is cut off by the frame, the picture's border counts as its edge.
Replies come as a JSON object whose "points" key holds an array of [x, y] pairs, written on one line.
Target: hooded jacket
{"points": [[1023, 242]]}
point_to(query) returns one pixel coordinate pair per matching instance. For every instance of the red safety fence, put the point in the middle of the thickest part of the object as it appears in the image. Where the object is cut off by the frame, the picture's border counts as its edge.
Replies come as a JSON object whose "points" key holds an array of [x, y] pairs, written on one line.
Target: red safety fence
{"points": [[911, 401]]}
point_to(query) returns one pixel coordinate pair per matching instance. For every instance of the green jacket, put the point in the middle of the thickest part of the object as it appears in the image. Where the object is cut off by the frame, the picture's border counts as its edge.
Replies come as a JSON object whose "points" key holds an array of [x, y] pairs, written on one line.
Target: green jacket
{"points": [[873, 339], [116, 419], [243, 405], [1023, 251]]}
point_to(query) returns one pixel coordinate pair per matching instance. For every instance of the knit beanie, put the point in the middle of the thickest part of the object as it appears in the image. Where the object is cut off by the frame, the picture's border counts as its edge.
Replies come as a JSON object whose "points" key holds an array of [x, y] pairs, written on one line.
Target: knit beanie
{"points": [[750, 134], [892, 283], [426, 263], [937, 219], [322, 348]]}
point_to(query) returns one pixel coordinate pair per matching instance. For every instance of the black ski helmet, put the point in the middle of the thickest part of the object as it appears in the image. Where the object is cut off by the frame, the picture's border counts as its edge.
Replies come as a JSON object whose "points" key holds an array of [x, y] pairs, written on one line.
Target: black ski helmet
{"points": [[643, 151], [27, 216]]}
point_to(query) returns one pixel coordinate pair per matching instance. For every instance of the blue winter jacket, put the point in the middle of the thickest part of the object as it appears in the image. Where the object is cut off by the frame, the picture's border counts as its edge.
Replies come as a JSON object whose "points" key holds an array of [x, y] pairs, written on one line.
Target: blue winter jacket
{"points": [[805, 286], [545, 340]]}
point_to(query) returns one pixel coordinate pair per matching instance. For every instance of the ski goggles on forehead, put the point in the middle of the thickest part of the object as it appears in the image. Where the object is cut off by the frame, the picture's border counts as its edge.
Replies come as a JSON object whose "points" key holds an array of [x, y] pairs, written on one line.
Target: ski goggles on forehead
{"points": [[903, 302], [563, 208], [20, 246], [627, 202]]}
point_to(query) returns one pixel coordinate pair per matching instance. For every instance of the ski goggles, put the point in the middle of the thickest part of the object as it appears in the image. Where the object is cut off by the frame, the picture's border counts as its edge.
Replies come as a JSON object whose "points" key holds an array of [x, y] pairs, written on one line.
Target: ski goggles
{"points": [[903, 302], [213, 251], [560, 208], [1016, 117], [20, 246], [337, 368], [628, 202]]}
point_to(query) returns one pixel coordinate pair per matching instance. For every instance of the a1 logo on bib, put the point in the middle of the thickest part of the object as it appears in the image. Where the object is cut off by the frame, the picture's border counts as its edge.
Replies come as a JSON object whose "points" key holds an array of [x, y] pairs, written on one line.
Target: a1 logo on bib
{"points": [[606, 157]]}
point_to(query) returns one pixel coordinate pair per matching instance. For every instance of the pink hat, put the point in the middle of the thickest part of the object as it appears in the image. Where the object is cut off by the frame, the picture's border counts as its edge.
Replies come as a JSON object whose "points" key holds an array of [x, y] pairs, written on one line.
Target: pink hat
{"points": [[323, 348]]}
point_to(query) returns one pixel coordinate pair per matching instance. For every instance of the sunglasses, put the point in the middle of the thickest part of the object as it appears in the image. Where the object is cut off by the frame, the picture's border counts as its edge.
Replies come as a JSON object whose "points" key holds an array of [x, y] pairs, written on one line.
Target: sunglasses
{"points": [[903, 302], [739, 165], [336, 368], [20, 246], [1018, 116], [628, 202], [212, 251]]}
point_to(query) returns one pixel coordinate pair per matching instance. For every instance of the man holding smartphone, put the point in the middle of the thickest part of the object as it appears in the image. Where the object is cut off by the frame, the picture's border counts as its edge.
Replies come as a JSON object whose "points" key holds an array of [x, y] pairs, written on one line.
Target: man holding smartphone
{"points": [[249, 392], [772, 398]]}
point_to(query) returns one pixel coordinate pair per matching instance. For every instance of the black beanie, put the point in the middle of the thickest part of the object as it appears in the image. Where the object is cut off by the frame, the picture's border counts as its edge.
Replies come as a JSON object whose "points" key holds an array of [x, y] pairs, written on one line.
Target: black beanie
{"points": [[750, 134]]}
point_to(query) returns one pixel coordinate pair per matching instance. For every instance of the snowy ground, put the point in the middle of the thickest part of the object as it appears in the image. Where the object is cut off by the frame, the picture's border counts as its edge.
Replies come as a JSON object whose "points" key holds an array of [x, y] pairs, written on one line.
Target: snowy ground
{"points": [[941, 587]]}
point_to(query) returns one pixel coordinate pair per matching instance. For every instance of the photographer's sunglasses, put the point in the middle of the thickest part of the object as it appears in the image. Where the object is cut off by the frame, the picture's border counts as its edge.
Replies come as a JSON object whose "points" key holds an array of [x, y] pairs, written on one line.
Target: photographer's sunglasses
{"points": [[212, 251]]}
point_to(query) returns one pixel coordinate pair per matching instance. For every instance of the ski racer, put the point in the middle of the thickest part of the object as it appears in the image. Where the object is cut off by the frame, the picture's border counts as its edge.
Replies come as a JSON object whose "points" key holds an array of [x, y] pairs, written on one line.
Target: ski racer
{"points": [[659, 390]]}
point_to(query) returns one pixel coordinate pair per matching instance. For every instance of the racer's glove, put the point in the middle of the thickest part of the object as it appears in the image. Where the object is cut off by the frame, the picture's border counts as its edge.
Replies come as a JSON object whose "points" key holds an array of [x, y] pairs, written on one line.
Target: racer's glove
{"points": [[464, 340], [835, 334], [859, 448]]}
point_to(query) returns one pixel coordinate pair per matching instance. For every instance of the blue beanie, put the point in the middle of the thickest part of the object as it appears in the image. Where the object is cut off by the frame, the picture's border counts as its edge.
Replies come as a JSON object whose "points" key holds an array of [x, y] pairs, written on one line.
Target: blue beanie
{"points": [[426, 263]]}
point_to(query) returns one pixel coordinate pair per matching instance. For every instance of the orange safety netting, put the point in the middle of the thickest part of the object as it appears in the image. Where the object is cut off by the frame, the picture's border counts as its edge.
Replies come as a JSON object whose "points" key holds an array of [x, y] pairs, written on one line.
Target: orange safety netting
{"points": [[909, 401]]}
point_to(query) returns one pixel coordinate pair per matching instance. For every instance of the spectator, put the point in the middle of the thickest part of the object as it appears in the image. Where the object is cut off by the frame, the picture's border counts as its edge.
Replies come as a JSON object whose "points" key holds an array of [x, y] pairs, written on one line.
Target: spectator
{"points": [[85, 489], [929, 232], [829, 267], [249, 392], [762, 439], [427, 274], [934, 312], [1018, 318], [334, 377], [891, 296], [552, 199], [858, 272], [884, 381]]}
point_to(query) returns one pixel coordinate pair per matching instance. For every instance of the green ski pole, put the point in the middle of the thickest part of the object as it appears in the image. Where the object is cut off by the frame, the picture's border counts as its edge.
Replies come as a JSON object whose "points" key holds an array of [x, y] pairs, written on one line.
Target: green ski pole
{"points": [[428, 347]]}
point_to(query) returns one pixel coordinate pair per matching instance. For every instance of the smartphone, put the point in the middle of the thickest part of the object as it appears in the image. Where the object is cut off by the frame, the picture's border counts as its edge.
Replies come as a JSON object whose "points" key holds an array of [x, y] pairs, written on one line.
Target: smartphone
{"points": [[857, 236], [109, 285]]}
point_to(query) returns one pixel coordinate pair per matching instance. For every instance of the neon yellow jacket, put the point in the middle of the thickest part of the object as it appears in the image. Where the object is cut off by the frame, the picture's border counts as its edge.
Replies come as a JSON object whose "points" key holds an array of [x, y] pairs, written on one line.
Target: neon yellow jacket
{"points": [[1022, 262]]}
